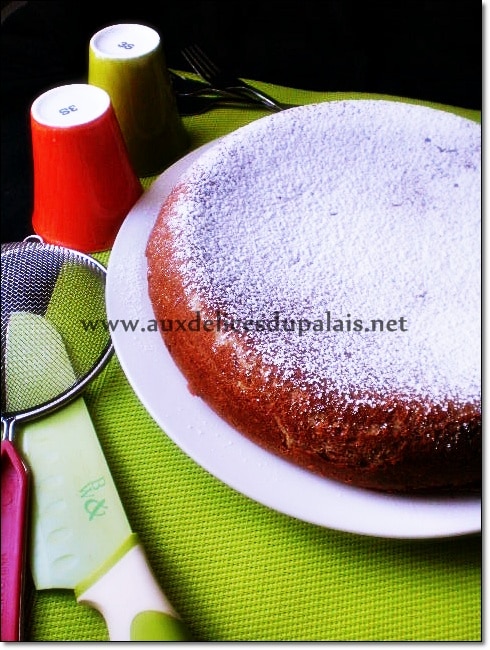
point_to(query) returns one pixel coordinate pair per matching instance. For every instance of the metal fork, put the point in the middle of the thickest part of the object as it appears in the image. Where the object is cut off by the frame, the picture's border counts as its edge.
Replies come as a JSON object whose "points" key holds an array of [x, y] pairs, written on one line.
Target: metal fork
{"points": [[195, 97], [218, 78]]}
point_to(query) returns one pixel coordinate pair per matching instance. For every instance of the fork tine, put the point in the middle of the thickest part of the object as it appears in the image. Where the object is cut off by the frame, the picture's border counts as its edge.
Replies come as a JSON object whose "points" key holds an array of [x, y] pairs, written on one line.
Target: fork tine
{"points": [[206, 60], [189, 57], [200, 63]]}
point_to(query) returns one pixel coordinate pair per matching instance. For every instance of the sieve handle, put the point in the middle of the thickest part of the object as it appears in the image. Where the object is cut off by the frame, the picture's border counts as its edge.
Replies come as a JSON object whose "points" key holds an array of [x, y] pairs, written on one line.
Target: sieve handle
{"points": [[14, 514]]}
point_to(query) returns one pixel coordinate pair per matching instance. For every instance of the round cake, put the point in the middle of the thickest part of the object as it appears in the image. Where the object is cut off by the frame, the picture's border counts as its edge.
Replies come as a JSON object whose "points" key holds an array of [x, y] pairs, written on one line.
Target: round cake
{"points": [[316, 277]]}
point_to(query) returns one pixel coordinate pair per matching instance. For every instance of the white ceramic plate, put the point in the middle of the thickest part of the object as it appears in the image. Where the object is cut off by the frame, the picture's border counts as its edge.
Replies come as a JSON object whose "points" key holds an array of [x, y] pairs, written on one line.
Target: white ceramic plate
{"points": [[219, 448]]}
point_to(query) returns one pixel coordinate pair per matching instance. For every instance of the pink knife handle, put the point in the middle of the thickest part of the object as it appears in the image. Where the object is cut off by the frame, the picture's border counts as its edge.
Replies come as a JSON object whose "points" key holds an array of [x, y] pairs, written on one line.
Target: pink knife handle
{"points": [[14, 516]]}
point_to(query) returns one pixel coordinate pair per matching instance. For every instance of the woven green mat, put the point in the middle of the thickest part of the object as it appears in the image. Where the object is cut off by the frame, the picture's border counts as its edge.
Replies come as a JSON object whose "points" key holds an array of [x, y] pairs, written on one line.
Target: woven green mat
{"points": [[237, 571]]}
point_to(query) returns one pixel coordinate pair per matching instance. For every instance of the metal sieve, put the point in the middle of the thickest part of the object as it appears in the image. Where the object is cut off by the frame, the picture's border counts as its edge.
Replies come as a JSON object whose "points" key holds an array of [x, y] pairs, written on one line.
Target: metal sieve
{"points": [[53, 298]]}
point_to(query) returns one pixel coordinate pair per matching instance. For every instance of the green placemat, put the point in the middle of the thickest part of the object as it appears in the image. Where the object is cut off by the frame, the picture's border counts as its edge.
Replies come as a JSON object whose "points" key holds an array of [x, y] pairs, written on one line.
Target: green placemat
{"points": [[237, 571]]}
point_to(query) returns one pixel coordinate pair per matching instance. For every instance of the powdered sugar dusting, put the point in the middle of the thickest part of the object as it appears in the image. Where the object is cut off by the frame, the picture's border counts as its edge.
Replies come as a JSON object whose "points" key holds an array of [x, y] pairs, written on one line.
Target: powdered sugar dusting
{"points": [[355, 210]]}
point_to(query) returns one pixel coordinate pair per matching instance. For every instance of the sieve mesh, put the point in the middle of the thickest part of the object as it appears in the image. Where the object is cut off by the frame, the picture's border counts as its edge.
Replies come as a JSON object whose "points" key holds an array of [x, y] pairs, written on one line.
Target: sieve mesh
{"points": [[67, 289]]}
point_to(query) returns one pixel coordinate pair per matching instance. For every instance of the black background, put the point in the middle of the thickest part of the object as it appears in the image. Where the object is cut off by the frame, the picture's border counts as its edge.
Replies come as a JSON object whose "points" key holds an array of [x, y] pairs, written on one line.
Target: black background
{"points": [[424, 50]]}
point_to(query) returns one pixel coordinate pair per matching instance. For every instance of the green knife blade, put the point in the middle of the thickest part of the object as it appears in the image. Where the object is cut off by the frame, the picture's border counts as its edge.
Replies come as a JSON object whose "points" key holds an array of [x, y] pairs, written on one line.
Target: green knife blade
{"points": [[81, 537]]}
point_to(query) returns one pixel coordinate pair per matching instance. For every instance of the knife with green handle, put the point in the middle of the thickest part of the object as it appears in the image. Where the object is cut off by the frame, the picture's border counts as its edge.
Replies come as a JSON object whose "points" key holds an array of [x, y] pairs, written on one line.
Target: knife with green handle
{"points": [[80, 536]]}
